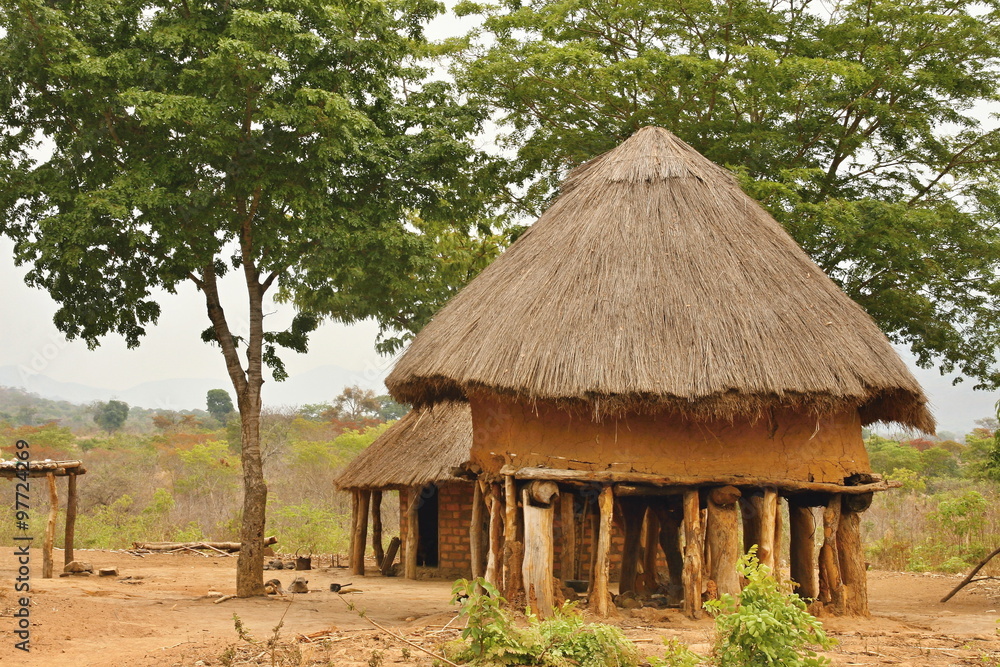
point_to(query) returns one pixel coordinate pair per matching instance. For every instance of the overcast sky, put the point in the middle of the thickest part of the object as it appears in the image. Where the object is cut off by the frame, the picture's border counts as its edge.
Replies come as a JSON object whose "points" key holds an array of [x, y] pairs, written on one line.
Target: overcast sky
{"points": [[173, 348]]}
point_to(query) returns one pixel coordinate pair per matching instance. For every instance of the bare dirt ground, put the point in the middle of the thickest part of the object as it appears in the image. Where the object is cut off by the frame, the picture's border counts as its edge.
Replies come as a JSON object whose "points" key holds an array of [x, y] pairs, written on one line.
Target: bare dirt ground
{"points": [[157, 613]]}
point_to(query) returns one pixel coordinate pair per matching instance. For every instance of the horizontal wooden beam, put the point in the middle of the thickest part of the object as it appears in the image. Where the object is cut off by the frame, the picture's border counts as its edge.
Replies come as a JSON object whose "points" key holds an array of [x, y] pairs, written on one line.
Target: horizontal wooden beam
{"points": [[613, 476]]}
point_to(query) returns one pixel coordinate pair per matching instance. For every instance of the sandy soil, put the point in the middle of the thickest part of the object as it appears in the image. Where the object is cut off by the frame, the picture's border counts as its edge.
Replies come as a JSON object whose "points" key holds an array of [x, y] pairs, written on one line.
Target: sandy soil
{"points": [[157, 613]]}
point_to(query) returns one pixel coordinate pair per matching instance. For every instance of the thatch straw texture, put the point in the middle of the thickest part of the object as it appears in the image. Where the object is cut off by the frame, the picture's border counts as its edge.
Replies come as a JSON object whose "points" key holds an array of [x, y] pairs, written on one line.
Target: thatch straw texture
{"points": [[654, 283], [422, 447]]}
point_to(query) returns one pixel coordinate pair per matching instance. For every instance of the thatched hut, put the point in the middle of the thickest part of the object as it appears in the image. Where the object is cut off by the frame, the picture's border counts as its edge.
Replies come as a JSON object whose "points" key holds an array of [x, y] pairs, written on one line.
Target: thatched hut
{"points": [[419, 457], [658, 340]]}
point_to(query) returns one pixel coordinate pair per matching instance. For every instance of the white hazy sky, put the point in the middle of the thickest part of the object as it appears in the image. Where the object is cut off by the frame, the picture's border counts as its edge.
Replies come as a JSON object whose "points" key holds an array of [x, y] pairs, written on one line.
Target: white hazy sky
{"points": [[173, 348]]}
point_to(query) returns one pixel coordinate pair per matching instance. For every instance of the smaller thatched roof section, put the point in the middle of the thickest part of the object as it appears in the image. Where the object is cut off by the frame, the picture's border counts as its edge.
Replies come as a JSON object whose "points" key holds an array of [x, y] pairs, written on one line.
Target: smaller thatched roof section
{"points": [[422, 447]]}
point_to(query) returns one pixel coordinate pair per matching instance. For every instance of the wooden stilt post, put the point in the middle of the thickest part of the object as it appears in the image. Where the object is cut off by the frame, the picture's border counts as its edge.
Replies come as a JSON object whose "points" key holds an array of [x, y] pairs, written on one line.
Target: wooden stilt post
{"points": [[539, 555], [802, 550], [768, 518], [567, 520], [723, 538], [377, 527], [494, 560], [361, 533], [648, 582], [778, 536], [831, 586], [50, 527], [412, 533], [670, 520], [70, 518], [513, 550], [632, 511], [751, 507], [600, 593], [355, 495], [693, 549], [852, 555], [476, 532]]}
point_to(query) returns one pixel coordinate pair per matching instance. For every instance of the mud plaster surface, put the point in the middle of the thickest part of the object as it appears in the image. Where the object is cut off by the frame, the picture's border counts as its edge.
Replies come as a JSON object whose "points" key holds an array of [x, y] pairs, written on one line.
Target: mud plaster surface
{"points": [[788, 445]]}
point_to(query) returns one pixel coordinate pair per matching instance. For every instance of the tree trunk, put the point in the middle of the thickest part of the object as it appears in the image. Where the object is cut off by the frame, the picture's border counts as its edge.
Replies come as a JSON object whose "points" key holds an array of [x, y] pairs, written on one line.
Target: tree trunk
{"points": [[250, 564]]}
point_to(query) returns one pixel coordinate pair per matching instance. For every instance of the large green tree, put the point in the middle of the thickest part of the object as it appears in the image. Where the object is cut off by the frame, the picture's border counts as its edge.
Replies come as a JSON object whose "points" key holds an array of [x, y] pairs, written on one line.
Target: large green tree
{"points": [[111, 416], [146, 145], [863, 126]]}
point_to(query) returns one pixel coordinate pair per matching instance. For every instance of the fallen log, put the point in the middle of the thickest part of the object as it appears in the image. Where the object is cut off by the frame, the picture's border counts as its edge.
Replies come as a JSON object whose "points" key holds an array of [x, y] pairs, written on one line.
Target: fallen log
{"points": [[968, 579], [174, 546]]}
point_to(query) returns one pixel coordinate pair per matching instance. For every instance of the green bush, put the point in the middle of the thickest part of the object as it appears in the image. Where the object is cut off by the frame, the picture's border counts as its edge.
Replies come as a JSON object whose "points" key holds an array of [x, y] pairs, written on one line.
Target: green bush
{"points": [[767, 626], [561, 641]]}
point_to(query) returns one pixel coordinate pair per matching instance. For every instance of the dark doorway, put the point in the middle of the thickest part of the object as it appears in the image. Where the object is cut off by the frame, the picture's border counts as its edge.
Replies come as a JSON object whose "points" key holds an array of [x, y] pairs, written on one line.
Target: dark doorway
{"points": [[427, 518]]}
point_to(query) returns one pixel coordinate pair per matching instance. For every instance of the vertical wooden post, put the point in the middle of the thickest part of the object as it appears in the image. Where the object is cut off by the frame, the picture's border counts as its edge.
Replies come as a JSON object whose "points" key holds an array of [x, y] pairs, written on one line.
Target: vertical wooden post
{"points": [[567, 519], [70, 518], [476, 532], [50, 527], [494, 560], [513, 549], [539, 554], [361, 533], [693, 550], [802, 550], [723, 538], [355, 494], [752, 507], [600, 593], [412, 533], [670, 520], [852, 555], [765, 540], [831, 587], [651, 541], [778, 535], [377, 527], [632, 511]]}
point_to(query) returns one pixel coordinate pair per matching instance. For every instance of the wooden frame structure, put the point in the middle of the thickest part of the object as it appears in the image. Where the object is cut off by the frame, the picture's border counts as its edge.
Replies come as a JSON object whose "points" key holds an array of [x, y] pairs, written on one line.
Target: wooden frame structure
{"points": [[50, 470]]}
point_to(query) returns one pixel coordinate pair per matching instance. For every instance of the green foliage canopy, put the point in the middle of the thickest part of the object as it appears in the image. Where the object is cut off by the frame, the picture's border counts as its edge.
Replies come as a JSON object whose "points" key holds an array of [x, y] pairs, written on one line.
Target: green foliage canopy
{"points": [[858, 125], [219, 404], [111, 415]]}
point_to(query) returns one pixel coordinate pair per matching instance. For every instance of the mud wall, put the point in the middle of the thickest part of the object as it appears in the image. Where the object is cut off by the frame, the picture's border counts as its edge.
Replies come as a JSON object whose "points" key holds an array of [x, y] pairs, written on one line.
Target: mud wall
{"points": [[786, 445]]}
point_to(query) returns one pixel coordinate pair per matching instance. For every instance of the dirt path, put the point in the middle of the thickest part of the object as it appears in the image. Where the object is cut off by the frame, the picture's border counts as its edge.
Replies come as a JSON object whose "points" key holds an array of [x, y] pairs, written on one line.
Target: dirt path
{"points": [[157, 613]]}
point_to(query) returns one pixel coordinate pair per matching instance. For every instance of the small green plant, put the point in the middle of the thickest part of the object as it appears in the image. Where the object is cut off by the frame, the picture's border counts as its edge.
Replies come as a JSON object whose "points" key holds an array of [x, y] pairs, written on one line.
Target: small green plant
{"points": [[676, 655], [767, 626], [560, 641]]}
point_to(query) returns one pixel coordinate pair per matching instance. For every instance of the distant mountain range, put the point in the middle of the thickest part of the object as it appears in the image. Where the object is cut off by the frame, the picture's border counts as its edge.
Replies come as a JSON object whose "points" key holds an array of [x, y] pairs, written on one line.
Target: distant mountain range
{"points": [[319, 385]]}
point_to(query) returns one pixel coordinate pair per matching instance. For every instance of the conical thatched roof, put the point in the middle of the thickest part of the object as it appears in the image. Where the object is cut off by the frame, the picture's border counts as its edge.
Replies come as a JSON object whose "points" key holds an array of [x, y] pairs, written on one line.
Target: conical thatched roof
{"points": [[653, 282], [422, 447]]}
